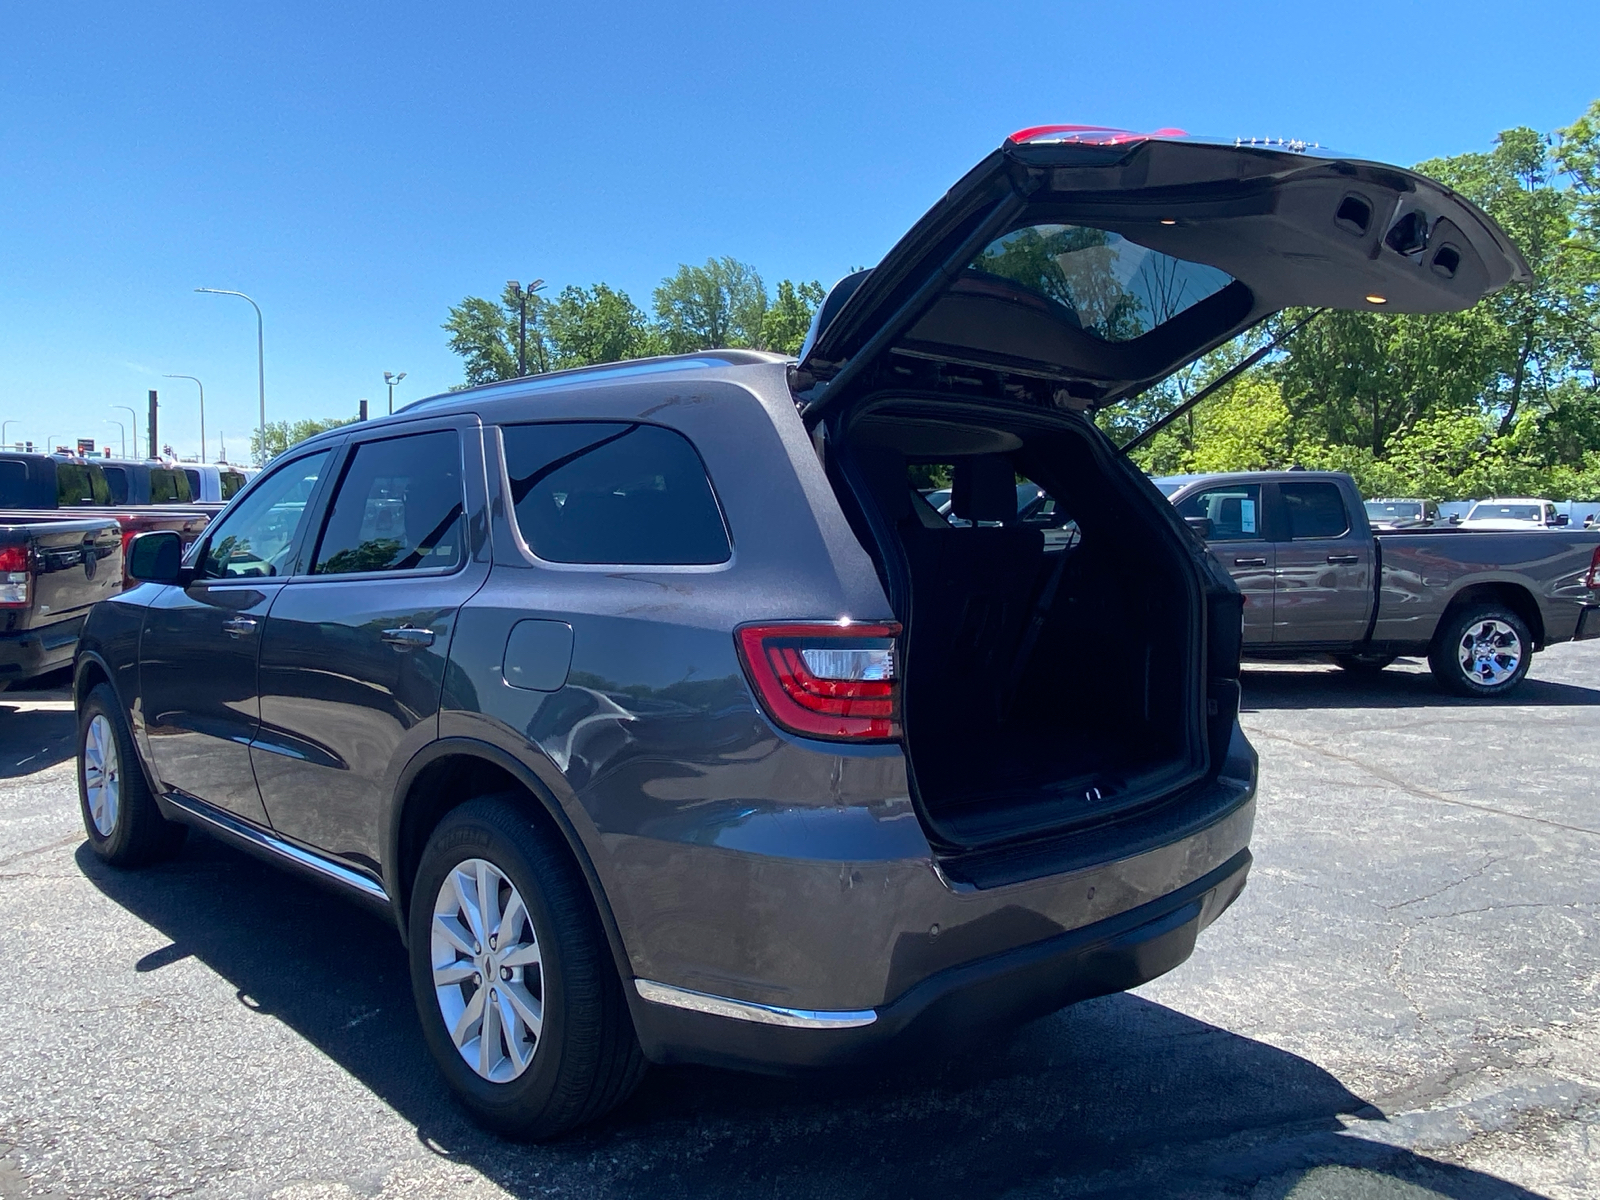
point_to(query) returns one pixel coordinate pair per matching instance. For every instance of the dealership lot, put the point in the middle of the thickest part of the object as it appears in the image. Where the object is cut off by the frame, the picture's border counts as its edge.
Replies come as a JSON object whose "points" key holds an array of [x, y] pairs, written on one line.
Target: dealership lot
{"points": [[1405, 1002]]}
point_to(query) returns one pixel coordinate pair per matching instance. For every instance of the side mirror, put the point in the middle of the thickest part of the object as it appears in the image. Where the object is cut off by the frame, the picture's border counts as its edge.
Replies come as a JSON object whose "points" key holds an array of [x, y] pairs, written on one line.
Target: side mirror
{"points": [[1201, 526], [155, 557], [1563, 519], [1455, 518]]}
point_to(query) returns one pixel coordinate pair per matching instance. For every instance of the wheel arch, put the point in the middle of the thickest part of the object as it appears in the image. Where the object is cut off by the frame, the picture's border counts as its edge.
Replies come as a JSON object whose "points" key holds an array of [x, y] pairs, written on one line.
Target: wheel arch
{"points": [[89, 672], [1515, 596], [450, 772]]}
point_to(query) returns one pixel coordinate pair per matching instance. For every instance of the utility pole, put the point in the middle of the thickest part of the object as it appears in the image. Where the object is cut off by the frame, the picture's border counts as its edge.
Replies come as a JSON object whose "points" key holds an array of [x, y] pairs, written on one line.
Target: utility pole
{"points": [[363, 415], [154, 445]]}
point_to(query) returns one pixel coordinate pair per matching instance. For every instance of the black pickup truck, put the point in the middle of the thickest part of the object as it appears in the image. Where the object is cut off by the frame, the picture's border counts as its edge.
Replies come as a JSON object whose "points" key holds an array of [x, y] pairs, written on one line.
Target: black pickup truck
{"points": [[51, 573], [1317, 578]]}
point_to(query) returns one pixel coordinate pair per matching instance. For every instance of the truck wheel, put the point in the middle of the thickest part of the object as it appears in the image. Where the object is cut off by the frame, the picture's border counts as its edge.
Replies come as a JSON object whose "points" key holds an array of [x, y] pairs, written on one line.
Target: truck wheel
{"points": [[125, 827], [1364, 664], [514, 981], [1483, 652]]}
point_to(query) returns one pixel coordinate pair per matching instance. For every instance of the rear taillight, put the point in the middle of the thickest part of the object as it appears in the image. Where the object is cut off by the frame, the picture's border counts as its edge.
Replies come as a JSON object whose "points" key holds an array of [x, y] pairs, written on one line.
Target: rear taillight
{"points": [[14, 576], [826, 681], [1592, 580]]}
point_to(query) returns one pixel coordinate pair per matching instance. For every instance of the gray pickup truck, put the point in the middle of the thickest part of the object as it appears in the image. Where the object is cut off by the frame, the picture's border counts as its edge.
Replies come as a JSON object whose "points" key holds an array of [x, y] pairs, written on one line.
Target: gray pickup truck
{"points": [[52, 571], [1317, 578]]}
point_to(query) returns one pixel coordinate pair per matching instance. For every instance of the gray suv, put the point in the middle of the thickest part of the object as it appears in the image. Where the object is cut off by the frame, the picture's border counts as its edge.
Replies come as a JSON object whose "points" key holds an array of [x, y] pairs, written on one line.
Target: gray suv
{"points": [[671, 723]]}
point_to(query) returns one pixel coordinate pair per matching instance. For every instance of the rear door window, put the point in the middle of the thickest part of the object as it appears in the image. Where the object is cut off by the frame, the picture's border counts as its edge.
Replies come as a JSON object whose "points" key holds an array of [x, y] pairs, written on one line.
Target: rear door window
{"points": [[613, 492], [231, 482], [1314, 510], [398, 508], [75, 486], [117, 484], [194, 482], [1234, 511], [14, 490], [169, 487]]}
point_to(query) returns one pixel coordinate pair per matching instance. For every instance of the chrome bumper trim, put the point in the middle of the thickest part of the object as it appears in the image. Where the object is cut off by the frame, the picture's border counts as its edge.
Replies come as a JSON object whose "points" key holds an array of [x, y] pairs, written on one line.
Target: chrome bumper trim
{"points": [[745, 1010]]}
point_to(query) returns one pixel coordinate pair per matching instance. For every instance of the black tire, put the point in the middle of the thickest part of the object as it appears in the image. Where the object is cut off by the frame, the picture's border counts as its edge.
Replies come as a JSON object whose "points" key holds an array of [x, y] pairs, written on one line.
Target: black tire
{"points": [[1460, 629], [586, 1059], [1364, 664], [135, 832]]}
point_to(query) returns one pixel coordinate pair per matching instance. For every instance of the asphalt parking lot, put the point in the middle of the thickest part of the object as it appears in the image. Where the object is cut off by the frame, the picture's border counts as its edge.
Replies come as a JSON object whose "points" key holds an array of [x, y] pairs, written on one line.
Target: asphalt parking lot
{"points": [[1404, 1003]]}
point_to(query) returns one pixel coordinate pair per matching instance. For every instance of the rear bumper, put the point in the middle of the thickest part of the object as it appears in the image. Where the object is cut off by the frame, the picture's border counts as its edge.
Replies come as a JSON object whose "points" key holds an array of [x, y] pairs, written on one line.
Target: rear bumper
{"points": [[946, 1008], [1588, 623], [30, 652]]}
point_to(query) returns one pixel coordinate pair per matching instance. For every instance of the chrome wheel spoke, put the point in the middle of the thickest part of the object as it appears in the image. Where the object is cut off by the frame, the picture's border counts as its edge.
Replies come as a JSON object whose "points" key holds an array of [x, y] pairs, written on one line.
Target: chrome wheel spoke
{"points": [[456, 972], [470, 1023], [449, 928], [526, 955], [529, 1010]]}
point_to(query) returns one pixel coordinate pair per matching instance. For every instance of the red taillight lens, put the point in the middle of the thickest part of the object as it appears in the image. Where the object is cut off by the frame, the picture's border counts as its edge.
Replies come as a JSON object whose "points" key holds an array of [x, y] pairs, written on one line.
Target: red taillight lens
{"points": [[1593, 579], [826, 681], [14, 576]]}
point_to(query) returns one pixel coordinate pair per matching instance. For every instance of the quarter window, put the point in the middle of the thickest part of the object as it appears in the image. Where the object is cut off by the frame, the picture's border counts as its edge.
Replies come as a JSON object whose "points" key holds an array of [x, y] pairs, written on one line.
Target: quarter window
{"points": [[169, 487], [613, 492], [1315, 510], [117, 483], [257, 538], [398, 508]]}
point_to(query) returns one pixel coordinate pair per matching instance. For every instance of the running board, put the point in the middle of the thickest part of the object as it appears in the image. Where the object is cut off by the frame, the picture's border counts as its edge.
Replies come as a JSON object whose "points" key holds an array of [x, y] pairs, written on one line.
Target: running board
{"points": [[269, 845]]}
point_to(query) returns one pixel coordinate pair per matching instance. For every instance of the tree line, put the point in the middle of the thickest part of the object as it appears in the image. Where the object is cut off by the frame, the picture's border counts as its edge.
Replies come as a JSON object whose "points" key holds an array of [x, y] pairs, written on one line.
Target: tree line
{"points": [[722, 304]]}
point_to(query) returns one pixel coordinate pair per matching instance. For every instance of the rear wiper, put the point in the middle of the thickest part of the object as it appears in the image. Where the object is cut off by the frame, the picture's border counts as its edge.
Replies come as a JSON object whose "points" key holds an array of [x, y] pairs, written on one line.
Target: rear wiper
{"points": [[1227, 377]]}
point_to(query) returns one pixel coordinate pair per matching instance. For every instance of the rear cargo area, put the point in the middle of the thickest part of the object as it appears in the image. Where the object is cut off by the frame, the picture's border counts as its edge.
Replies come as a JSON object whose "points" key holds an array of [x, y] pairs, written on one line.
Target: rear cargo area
{"points": [[1051, 663]]}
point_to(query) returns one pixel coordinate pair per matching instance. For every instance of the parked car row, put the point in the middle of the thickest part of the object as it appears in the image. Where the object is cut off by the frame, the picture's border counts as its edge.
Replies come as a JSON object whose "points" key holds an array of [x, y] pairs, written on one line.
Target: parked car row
{"points": [[669, 722], [45, 500], [1519, 512]]}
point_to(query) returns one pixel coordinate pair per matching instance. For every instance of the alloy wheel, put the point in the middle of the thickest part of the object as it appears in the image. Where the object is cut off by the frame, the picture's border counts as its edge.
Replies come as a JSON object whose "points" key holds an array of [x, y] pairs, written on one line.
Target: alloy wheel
{"points": [[1490, 652], [102, 780], [488, 975]]}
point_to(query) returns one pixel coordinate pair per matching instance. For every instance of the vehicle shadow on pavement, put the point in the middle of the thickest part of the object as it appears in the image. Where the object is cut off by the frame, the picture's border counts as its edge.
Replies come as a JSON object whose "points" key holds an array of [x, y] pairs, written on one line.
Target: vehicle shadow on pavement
{"points": [[1117, 1095], [1331, 687], [34, 738]]}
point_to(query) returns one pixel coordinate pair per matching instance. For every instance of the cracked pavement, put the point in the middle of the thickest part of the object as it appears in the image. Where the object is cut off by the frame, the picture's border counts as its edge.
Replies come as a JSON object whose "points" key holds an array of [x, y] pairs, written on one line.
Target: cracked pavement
{"points": [[1404, 1003]]}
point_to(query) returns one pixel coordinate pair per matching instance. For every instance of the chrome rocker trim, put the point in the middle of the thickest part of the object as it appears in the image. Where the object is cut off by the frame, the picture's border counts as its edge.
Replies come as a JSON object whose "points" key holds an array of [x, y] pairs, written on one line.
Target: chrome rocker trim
{"points": [[745, 1010], [231, 827]]}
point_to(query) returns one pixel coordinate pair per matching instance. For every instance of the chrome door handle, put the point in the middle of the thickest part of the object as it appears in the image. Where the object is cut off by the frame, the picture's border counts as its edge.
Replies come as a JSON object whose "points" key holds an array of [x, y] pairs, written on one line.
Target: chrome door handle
{"points": [[239, 626], [408, 637], [1249, 562], [1344, 558]]}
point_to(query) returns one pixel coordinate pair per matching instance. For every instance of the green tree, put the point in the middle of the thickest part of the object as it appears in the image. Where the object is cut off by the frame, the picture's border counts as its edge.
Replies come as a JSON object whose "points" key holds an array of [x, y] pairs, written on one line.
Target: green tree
{"points": [[283, 434], [788, 318], [721, 304], [597, 325], [488, 333]]}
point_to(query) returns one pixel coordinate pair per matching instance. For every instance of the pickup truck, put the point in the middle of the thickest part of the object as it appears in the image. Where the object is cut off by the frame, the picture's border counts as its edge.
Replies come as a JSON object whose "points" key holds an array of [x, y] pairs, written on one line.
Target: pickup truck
{"points": [[1519, 512], [1317, 578], [51, 572], [36, 487]]}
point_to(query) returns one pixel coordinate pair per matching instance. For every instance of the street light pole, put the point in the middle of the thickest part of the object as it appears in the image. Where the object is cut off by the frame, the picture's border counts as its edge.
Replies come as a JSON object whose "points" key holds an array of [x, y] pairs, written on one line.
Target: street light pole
{"points": [[124, 429], [202, 388], [132, 412], [261, 360], [391, 379], [3, 425], [522, 306]]}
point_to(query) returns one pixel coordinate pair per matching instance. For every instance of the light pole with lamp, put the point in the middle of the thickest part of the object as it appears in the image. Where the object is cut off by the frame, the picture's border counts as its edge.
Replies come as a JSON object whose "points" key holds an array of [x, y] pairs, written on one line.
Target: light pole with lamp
{"points": [[3, 425], [49, 441], [202, 388], [261, 360], [124, 429], [391, 379], [133, 413]]}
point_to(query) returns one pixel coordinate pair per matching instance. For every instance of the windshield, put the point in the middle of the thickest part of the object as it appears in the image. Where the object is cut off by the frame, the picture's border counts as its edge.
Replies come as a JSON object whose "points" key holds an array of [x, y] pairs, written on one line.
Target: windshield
{"points": [[1111, 288], [1504, 512], [1394, 510], [1168, 488]]}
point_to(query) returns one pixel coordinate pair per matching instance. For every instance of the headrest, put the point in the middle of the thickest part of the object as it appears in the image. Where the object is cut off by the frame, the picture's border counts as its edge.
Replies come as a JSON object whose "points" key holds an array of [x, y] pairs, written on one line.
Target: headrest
{"points": [[984, 488]]}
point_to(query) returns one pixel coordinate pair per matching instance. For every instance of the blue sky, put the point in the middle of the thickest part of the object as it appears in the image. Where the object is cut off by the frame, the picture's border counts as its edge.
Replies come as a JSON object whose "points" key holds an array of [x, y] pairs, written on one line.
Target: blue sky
{"points": [[358, 169]]}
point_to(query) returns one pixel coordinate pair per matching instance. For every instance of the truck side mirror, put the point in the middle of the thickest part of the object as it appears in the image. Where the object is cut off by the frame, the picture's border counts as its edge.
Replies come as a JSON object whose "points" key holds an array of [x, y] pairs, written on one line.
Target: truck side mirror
{"points": [[1455, 518], [155, 557], [1563, 519], [1201, 526]]}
